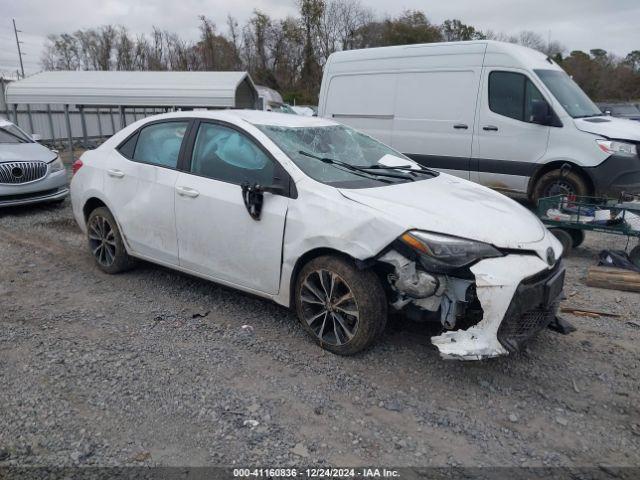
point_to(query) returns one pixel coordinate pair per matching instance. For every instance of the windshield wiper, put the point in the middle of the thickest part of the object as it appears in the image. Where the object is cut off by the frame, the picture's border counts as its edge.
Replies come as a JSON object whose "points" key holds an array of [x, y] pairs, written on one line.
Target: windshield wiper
{"points": [[354, 168], [403, 168]]}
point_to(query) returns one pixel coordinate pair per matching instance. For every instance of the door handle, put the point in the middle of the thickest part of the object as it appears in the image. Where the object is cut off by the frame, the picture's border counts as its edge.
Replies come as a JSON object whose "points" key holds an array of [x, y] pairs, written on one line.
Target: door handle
{"points": [[490, 128], [461, 126], [115, 173], [187, 192]]}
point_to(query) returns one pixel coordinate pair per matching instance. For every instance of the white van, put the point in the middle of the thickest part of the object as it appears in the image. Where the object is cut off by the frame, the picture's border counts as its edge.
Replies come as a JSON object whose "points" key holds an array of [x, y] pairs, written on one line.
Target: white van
{"points": [[499, 114]]}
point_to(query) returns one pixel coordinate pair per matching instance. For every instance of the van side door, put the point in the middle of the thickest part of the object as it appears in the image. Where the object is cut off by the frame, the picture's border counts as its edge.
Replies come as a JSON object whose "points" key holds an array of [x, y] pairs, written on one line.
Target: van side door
{"points": [[434, 117], [508, 143]]}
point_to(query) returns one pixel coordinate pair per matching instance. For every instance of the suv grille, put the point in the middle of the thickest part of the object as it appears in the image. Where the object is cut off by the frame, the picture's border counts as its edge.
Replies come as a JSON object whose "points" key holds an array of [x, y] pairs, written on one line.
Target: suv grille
{"points": [[22, 172]]}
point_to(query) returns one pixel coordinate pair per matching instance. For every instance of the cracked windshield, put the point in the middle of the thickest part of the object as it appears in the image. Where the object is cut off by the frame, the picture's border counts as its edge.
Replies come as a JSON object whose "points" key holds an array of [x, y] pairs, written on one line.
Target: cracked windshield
{"points": [[342, 145]]}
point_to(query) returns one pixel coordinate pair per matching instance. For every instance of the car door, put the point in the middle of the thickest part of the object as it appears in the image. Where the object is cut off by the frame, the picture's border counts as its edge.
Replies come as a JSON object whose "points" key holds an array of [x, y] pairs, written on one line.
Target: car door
{"points": [[217, 236], [507, 144], [140, 185]]}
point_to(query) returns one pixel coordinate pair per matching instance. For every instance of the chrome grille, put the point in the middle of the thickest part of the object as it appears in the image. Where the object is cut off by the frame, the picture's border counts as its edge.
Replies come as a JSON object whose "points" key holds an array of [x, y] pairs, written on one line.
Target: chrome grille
{"points": [[22, 172]]}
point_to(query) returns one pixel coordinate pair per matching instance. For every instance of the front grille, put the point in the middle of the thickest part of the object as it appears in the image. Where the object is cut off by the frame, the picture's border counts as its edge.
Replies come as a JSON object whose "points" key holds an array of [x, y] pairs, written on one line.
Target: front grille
{"points": [[532, 308], [515, 330], [22, 172]]}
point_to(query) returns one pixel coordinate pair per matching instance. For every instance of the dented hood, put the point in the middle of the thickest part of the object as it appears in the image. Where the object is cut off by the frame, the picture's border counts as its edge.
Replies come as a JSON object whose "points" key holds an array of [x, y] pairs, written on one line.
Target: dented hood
{"points": [[449, 205], [610, 127]]}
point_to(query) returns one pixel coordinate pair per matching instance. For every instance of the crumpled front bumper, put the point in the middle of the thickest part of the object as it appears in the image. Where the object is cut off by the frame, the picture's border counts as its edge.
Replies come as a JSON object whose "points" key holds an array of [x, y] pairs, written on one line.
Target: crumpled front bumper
{"points": [[519, 296]]}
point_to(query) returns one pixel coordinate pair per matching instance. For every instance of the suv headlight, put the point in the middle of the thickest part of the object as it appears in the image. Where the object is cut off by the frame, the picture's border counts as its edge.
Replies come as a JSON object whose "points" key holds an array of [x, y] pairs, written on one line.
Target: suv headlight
{"points": [[613, 147], [444, 253], [56, 165]]}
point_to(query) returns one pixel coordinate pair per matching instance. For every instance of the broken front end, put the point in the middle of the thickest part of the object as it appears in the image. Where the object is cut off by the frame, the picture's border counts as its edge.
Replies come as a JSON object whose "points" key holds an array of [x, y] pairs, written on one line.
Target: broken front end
{"points": [[489, 301]]}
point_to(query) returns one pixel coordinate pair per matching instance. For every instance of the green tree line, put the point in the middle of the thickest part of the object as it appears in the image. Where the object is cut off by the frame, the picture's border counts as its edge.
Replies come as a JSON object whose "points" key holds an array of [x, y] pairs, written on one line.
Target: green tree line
{"points": [[288, 54]]}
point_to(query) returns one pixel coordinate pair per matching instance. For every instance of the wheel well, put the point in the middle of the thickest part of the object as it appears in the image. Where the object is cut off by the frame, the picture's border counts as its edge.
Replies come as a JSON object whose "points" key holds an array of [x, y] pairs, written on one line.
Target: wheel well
{"points": [[303, 260], [548, 167], [91, 205]]}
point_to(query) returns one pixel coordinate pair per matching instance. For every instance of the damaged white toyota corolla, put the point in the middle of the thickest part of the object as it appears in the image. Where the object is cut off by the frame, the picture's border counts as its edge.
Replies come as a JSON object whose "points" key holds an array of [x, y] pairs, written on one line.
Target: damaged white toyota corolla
{"points": [[323, 219]]}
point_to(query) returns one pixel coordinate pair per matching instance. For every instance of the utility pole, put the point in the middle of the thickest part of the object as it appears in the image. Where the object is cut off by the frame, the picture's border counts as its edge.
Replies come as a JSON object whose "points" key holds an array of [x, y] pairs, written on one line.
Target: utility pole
{"points": [[15, 31]]}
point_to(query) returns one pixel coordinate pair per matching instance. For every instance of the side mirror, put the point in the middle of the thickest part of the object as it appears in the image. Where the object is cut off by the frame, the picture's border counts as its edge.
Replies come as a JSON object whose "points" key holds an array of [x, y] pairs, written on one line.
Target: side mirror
{"points": [[540, 113], [253, 196], [36, 137]]}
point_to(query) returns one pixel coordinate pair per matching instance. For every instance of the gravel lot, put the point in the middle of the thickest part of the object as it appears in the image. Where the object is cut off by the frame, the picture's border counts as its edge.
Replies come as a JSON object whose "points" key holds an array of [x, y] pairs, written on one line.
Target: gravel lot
{"points": [[154, 367]]}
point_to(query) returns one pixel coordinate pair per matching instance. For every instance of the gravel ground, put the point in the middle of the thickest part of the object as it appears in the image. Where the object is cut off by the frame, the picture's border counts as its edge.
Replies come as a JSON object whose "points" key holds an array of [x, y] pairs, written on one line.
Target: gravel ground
{"points": [[154, 367]]}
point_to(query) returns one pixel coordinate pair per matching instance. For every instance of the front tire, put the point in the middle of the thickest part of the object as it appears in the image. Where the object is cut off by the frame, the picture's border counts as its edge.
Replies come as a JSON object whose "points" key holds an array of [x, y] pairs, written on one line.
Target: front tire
{"points": [[343, 308], [556, 183], [105, 242]]}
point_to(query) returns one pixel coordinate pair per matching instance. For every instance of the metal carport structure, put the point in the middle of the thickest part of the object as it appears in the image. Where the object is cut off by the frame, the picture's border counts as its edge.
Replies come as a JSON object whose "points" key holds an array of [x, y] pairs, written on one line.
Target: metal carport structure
{"points": [[87, 99]]}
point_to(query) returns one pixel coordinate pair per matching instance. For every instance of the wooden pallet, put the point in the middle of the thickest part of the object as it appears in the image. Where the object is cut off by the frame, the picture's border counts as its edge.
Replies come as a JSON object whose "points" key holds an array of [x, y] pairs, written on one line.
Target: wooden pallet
{"points": [[613, 279]]}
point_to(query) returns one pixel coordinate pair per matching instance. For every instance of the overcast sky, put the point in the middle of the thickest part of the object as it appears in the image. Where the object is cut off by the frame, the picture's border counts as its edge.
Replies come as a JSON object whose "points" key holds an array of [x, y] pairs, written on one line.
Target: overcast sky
{"points": [[613, 25]]}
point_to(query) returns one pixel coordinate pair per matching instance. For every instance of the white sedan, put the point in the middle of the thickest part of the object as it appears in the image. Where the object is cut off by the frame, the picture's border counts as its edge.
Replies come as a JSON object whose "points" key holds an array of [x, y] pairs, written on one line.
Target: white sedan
{"points": [[323, 219]]}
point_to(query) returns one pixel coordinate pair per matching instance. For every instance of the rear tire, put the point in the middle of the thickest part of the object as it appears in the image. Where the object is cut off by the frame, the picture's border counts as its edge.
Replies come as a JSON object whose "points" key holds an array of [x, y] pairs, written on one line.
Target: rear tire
{"points": [[565, 239], [105, 242], [343, 308], [554, 183]]}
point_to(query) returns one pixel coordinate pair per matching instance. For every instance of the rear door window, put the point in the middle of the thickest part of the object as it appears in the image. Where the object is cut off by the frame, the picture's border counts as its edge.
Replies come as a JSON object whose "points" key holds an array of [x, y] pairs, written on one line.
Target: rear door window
{"points": [[160, 143]]}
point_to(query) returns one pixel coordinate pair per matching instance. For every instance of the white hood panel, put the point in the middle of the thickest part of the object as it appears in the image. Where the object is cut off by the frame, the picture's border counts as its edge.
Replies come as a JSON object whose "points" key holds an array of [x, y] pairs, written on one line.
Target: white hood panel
{"points": [[610, 127], [453, 206]]}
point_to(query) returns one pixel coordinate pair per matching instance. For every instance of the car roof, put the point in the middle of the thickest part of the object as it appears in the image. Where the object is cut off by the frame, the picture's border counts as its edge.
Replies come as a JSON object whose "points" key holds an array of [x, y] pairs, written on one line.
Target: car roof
{"points": [[255, 117]]}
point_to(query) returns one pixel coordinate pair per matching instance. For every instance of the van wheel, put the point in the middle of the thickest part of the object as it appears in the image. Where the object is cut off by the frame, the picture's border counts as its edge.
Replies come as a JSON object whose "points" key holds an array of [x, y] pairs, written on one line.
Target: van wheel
{"points": [[554, 183], [105, 242], [342, 307]]}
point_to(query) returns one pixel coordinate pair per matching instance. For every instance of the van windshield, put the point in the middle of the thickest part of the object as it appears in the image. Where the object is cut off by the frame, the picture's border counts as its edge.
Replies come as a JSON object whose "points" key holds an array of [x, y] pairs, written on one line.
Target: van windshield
{"points": [[568, 93], [308, 146]]}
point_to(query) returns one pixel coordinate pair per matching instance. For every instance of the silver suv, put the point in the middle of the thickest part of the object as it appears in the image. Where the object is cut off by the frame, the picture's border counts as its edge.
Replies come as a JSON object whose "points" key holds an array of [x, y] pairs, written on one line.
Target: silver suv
{"points": [[29, 172]]}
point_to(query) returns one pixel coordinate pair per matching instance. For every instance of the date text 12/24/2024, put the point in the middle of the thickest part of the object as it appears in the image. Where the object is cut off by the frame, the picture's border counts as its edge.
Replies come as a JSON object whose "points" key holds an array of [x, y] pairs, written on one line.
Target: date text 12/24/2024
{"points": [[316, 473]]}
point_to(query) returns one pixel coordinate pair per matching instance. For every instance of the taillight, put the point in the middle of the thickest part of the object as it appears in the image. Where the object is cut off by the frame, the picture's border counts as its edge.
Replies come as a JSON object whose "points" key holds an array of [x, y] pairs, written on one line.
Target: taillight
{"points": [[76, 166]]}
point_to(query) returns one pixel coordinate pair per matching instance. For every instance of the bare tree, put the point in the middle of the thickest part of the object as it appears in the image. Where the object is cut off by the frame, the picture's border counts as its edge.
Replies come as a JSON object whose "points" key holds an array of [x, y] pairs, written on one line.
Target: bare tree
{"points": [[124, 50]]}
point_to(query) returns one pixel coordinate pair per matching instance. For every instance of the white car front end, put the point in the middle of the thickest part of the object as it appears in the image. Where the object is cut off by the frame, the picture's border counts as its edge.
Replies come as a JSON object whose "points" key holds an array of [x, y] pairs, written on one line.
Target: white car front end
{"points": [[29, 172], [517, 289]]}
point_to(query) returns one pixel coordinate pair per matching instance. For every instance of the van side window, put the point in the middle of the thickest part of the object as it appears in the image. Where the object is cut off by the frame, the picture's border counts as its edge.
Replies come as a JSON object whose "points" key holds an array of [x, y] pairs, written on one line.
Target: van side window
{"points": [[513, 95]]}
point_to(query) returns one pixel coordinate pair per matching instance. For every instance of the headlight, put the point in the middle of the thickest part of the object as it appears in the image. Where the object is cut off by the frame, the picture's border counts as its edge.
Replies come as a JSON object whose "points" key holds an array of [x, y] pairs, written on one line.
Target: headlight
{"points": [[442, 252], [56, 165], [613, 147]]}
